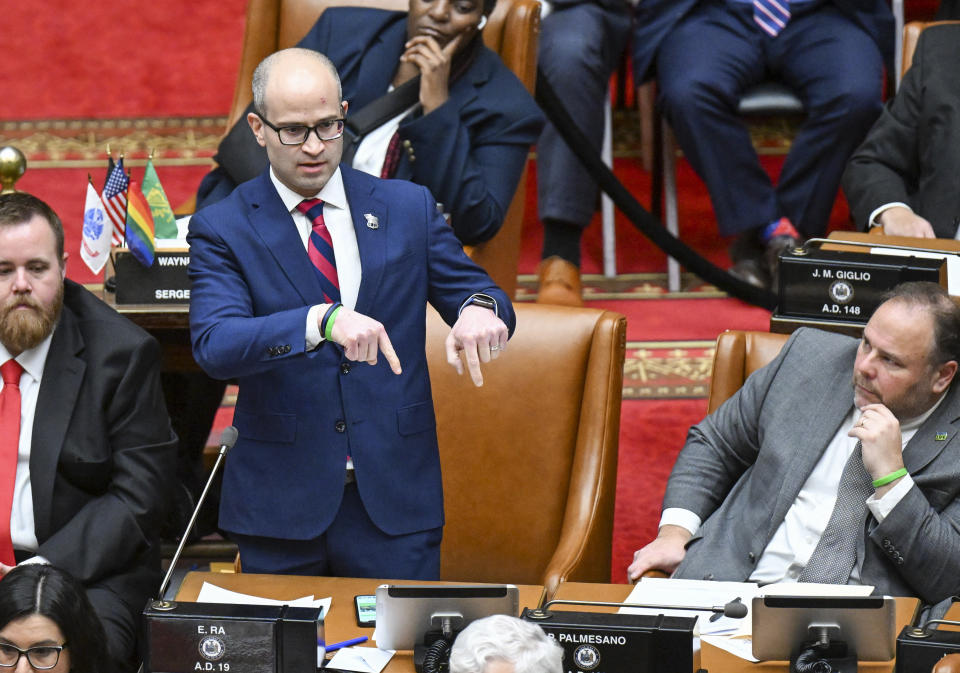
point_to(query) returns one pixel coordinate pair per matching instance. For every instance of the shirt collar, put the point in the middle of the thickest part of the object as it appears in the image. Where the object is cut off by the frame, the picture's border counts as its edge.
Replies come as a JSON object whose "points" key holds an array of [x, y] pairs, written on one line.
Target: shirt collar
{"points": [[32, 360], [332, 193]]}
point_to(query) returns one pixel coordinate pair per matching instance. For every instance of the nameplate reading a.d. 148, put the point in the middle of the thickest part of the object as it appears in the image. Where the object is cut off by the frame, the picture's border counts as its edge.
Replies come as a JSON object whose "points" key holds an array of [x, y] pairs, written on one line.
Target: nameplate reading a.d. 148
{"points": [[846, 286]]}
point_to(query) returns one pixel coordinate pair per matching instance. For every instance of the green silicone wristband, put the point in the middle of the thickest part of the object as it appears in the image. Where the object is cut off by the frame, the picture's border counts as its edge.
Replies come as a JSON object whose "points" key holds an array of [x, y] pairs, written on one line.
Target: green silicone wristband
{"points": [[893, 476], [328, 334]]}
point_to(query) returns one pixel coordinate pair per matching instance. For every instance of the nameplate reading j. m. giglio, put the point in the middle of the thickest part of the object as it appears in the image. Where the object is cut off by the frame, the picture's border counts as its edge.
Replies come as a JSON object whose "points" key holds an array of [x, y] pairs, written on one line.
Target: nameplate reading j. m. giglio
{"points": [[847, 286], [165, 282]]}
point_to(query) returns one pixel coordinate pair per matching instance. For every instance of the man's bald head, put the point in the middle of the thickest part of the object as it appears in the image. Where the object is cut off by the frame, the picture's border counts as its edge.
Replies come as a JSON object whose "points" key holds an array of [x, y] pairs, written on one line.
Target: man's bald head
{"points": [[285, 63]]}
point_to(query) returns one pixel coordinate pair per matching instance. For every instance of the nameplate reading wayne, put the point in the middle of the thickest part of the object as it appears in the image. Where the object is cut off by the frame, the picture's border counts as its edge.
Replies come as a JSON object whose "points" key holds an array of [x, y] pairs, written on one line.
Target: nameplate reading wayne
{"points": [[166, 282]]}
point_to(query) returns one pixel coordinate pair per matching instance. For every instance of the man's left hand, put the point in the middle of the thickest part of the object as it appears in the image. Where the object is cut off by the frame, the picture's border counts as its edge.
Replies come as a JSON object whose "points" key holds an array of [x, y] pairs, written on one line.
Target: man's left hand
{"points": [[879, 432], [480, 335]]}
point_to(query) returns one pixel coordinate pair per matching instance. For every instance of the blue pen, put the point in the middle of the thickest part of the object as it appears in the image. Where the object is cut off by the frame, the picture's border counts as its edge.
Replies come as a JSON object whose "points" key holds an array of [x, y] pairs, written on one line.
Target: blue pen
{"points": [[347, 643]]}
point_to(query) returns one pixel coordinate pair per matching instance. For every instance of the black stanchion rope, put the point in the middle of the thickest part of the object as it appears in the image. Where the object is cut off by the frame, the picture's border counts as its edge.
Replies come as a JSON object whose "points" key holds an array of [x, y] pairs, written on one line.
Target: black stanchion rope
{"points": [[646, 223]]}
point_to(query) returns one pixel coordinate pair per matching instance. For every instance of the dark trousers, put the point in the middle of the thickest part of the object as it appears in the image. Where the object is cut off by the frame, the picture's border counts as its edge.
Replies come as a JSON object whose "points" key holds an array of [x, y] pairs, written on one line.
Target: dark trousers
{"points": [[352, 547], [580, 47], [717, 52]]}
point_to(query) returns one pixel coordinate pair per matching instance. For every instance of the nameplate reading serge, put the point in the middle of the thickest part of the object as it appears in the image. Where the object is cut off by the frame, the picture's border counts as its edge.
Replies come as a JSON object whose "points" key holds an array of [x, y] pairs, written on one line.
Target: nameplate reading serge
{"points": [[166, 282], [842, 286]]}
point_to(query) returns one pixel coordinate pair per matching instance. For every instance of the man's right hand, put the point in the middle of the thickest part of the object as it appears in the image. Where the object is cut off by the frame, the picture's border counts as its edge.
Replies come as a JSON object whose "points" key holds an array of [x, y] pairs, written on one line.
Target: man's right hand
{"points": [[362, 338], [900, 221], [664, 553]]}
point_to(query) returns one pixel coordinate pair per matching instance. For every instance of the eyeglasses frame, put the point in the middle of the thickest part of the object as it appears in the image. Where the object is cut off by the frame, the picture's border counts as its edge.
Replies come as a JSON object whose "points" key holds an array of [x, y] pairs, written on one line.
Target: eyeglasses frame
{"points": [[26, 652], [306, 136]]}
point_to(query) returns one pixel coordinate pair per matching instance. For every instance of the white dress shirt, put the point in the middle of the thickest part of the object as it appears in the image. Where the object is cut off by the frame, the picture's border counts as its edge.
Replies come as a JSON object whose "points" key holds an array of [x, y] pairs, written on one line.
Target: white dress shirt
{"points": [[337, 218], [22, 530], [372, 150], [788, 551]]}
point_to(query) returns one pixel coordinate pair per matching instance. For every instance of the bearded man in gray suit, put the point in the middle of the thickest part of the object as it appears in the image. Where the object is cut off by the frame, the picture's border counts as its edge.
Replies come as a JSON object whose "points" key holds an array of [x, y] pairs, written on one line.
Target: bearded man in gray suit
{"points": [[763, 489]]}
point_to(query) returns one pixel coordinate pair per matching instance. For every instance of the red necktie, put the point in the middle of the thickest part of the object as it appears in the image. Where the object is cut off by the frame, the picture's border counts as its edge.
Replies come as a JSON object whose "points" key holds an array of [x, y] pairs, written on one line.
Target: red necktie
{"points": [[320, 249], [9, 447], [392, 158]]}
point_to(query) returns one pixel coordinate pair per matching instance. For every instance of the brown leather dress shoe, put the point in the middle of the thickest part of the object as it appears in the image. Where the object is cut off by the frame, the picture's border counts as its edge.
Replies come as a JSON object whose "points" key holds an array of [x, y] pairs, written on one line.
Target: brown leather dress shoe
{"points": [[559, 283]]}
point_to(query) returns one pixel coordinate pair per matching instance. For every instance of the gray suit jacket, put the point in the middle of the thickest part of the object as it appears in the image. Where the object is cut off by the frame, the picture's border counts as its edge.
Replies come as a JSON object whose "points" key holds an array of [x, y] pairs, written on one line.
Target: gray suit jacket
{"points": [[743, 466]]}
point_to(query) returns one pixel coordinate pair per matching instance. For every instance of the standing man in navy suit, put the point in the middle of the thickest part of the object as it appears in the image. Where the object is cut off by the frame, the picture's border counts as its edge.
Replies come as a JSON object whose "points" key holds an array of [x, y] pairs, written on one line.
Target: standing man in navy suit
{"points": [[336, 470]]}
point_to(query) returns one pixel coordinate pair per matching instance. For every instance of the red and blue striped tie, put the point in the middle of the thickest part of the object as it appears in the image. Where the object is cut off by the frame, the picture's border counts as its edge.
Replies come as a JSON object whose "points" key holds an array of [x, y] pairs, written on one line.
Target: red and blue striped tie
{"points": [[771, 15], [320, 249]]}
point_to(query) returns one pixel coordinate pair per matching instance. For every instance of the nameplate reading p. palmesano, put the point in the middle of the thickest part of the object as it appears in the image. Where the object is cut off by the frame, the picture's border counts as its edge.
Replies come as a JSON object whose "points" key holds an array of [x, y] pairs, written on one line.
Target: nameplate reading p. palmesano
{"points": [[166, 282], [595, 642], [843, 286]]}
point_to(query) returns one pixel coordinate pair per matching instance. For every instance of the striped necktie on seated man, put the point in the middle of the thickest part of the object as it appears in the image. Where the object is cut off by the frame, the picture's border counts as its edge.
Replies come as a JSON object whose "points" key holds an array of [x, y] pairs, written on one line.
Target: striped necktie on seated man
{"points": [[320, 249], [771, 15]]}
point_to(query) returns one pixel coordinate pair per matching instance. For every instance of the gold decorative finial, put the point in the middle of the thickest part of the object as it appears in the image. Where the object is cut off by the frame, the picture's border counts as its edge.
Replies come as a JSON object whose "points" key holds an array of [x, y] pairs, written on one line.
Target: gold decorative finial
{"points": [[12, 165]]}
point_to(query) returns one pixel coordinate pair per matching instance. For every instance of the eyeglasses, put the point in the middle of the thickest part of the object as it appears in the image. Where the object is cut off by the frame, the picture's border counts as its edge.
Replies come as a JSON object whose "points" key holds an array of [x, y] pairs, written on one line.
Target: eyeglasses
{"points": [[330, 129], [42, 657]]}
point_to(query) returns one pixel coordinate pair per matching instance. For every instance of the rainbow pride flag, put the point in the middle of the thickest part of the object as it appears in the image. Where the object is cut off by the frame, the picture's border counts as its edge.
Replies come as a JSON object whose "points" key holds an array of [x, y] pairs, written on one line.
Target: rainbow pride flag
{"points": [[140, 232]]}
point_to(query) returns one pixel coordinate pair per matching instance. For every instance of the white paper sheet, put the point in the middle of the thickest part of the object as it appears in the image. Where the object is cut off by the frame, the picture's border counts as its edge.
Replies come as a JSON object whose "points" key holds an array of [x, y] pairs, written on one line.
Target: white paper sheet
{"points": [[360, 659], [692, 593], [211, 593]]}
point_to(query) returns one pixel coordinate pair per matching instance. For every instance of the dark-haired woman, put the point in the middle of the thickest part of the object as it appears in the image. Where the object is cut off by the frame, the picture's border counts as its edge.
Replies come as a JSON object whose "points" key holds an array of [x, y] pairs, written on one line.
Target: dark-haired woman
{"points": [[46, 620]]}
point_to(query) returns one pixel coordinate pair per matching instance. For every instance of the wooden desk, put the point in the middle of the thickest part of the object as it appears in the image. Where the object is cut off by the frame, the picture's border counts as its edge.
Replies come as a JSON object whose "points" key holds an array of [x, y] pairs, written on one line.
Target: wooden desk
{"points": [[341, 623], [713, 659]]}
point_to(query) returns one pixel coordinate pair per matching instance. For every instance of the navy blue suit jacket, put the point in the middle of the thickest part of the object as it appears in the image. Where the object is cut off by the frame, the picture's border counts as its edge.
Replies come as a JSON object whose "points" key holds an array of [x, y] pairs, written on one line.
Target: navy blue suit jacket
{"points": [[300, 414], [655, 18]]}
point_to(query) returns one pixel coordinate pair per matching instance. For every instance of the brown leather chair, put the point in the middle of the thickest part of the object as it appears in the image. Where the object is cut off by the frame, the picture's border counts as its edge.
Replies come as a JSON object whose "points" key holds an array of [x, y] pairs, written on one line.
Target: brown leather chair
{"points": [[513, 31], [948, 664], [738, 354], [530, 459]]}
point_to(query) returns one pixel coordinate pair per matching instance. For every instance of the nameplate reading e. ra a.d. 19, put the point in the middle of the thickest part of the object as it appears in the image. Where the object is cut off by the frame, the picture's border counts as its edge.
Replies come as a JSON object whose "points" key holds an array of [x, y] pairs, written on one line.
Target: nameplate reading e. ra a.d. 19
{"points": [[841, 286], [165, 282]]}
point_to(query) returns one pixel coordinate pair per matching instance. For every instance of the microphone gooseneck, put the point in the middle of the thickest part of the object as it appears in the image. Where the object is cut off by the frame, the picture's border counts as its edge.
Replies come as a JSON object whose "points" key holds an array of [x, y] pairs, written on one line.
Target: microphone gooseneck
{"points": [[227, 439]]}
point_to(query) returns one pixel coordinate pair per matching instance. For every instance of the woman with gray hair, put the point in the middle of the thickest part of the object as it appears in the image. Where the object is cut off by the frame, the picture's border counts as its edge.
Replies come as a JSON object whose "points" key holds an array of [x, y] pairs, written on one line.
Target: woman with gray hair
{"points": [[503, 644]]}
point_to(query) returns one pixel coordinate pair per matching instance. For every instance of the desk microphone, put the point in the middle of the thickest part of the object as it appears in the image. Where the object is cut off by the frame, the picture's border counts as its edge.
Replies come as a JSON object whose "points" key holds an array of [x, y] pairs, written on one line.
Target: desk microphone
{"points": [[733, 609], [227, 439]]}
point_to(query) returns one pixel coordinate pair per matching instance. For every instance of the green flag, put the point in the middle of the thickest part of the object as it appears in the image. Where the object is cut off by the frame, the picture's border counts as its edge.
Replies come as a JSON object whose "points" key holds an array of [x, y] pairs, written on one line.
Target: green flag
{"points": [[164, 221]]}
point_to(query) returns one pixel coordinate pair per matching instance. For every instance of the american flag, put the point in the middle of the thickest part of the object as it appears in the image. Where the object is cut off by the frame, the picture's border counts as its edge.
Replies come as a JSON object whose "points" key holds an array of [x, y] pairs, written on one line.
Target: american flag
{"points": [[115, 201]]}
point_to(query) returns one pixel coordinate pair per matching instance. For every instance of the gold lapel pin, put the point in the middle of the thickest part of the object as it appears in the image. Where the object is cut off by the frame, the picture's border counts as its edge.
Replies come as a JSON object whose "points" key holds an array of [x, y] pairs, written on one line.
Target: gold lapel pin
{"points": [[941, 436]]}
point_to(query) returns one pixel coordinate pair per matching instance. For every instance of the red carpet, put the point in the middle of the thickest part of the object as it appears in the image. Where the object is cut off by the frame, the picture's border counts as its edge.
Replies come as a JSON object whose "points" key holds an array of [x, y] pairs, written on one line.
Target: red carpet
{"points": [[160, 76]]}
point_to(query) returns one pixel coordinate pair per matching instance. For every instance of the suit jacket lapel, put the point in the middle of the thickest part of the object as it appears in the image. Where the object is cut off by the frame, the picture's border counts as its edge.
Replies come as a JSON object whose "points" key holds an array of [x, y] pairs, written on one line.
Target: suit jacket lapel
{"points": [[371, 242], [274, 224], [59, 390], [943, 423], [379, 64]]}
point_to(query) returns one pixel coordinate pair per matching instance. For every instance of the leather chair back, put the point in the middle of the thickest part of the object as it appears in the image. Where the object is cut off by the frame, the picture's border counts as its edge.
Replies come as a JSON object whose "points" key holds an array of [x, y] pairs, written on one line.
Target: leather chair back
{"points": [[512, 30], [739, 354], [911, 33], [530, 459]]}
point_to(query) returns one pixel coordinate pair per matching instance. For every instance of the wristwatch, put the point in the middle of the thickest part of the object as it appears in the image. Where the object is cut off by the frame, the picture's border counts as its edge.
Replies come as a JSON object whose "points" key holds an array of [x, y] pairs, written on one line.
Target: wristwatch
{"points": [[482, 300]]}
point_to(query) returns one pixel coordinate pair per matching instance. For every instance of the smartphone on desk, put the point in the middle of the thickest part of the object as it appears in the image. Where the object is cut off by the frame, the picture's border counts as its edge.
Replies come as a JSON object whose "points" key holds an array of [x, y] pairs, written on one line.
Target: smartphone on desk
{"points": [[365, 607]]}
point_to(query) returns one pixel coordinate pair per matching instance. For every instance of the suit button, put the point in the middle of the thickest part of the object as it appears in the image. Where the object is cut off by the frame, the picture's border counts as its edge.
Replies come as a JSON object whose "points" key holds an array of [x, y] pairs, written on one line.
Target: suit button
{"points": [[752, 557], [286, 349], [407, 144], [340, 426], [708, 576], [345, 368]]}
